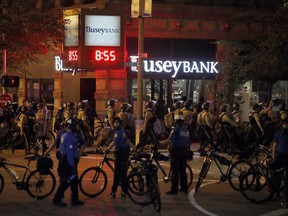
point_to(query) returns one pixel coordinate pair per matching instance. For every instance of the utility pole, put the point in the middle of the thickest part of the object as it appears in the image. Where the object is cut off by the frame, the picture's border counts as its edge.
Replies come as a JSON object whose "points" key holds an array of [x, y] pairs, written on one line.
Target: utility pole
{"points": [[139, 110]]}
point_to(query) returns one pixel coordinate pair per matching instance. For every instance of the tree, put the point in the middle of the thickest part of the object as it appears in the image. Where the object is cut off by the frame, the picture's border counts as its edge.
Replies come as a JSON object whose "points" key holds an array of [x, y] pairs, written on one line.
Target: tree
{"points": [[29, 32], [262, 60]]}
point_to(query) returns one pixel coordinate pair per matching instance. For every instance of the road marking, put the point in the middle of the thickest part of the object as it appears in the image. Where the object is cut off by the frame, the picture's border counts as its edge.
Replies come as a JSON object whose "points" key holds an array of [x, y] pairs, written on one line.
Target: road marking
{"points": [[276, 212], [196, 205]]}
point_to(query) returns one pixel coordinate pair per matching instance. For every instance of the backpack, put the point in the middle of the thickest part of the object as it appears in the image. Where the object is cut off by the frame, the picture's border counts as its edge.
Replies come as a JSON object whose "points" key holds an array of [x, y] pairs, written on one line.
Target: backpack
{"points": [[169, 120]]}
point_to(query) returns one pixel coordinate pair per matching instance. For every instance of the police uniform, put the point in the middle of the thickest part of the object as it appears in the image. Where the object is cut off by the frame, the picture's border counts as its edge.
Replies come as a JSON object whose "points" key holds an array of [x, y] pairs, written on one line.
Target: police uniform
{"points": [[67, 170], [180, 141], [204, 131]]}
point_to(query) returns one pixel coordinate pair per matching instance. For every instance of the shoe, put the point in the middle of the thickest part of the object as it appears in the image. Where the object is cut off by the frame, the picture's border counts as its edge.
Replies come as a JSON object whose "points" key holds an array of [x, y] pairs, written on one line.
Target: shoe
{"points": [[59, 203], [172, 192], [112, 195], [122, 195], [77, 203]]}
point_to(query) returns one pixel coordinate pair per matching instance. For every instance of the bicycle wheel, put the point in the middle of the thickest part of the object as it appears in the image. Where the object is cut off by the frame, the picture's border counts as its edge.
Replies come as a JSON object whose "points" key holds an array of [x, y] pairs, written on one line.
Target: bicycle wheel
{"points": [[137, 189], [93, 181], [202, 174], [1, 183], [189, 173], [40, 186], [254, 186], [236, 172]]}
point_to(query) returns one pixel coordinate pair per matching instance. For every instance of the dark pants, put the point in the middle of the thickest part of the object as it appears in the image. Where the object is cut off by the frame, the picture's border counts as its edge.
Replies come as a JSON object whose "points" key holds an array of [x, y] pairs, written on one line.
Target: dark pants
{"points": [[65, 183], [121, 168], [205, 135], [280, 162], [178, 167]]}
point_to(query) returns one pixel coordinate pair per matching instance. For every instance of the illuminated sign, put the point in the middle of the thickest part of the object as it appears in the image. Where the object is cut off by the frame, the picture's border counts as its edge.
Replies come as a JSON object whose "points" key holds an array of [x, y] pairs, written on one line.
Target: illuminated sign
{"points": [[71, 30], [72, 55], [59, 66], [176, 67], [102, 30]]}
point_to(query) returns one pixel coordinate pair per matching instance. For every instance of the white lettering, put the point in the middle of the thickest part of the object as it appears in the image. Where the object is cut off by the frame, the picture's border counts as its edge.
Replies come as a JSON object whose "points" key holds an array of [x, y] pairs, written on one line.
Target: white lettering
{"points": [[175, 67]]}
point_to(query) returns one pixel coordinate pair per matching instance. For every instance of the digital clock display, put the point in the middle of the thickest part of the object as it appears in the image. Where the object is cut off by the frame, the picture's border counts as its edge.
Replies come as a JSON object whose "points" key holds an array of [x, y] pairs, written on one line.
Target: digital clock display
{"points": [[105, 57]]}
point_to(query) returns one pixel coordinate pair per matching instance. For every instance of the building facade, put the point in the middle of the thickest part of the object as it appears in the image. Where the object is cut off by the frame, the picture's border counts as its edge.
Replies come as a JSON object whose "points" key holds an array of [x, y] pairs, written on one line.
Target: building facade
{"points": [[180, 41]]}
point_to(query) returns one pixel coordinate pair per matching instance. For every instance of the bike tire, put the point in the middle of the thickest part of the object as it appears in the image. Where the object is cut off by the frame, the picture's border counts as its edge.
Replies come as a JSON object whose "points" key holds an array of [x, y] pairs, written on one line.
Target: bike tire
{"points": [[1, 183], [189, 173], [40, 186], [137, 190], [236, 172], [255, 187], [202, 174], [93, 182]]}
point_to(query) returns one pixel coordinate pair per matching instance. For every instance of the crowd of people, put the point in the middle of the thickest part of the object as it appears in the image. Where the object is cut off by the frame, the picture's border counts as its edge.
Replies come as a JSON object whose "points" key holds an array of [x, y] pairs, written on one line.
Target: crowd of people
{"points": [[182, 124]]}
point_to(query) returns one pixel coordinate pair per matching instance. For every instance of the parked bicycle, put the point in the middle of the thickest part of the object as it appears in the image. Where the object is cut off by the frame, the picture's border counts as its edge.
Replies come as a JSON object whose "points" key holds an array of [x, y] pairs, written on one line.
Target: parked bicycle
{"points": [[39, 183], [257, 185], [233, 170], [142, 183]]}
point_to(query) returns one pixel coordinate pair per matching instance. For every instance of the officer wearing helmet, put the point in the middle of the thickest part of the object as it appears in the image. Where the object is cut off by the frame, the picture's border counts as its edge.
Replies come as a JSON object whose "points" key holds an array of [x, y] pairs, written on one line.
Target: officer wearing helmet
{"points": [[122, 114], [256, 130], [190, 117], [110, 113], [8, 113], [205, 128], [283, 114], [69, 112], [122, 145], [68, 161], [236, 114], [82, 117], [179, 143], [148, 128]]}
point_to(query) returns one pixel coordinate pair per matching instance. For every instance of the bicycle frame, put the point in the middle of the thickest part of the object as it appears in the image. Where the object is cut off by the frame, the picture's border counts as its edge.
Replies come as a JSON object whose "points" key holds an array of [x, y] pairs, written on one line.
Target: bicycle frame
{"points": [[19, 183]]}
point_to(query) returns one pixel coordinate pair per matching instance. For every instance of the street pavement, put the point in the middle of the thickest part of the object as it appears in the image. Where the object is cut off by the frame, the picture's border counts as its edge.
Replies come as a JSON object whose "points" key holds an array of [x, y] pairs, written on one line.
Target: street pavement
{"points": [[213, 199]]}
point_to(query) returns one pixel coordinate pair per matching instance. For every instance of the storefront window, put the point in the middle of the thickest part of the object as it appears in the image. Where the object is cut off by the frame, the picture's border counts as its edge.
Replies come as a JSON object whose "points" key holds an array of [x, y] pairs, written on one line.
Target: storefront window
{"points": [[40, 90]]}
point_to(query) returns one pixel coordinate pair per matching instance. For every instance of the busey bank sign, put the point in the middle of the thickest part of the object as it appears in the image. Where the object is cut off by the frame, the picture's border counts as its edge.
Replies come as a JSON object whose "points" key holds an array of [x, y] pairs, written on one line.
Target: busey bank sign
{"points": [[102, 30], [176, 67]]}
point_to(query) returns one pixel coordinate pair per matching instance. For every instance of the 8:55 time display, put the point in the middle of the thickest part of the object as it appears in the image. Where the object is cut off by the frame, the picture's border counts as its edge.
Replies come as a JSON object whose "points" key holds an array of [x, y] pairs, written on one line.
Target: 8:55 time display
{"points": [[104, 55]]}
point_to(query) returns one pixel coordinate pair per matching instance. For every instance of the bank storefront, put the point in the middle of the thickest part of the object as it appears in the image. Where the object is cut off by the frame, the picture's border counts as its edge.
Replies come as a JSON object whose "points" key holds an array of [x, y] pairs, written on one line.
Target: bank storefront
{"points": [[174, 69]]}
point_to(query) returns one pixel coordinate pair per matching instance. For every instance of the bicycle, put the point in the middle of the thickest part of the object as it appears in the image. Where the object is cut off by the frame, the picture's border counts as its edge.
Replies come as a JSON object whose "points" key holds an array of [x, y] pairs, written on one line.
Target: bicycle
{"points": [[142, 184], [93, 181], [257, 185], [11, 137], [156, 157], [37, 184], [234, 170], [43, 142]]}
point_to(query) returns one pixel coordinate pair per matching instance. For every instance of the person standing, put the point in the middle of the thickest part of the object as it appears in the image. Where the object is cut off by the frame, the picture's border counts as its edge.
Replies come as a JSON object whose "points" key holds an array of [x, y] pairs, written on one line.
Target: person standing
{"points": [[205, 128], [179, 142], [68, 161], [280, 156], [122, 145]]}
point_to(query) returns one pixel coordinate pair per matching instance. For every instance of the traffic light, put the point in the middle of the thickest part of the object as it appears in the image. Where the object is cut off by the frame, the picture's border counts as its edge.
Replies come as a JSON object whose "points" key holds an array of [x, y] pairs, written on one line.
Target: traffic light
{"points": [[10, 81]]}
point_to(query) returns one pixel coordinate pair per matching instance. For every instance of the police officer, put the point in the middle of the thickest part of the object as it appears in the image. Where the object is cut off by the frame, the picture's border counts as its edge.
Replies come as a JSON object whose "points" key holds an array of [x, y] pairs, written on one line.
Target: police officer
{"points": [[68, 161], [283, 114], [148, 127], [235, 113], [280, 156], [256, 131], [69, 112], [190, 117], [122, 146], [179, 145], [205, 128], [8, 113]]}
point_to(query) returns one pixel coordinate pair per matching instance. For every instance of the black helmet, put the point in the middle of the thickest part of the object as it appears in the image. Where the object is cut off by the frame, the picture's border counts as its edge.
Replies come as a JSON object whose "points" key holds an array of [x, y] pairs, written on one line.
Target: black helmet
{"points": [[256, 107], [71, 124], [206, 106], [223, 108], [124, 106], [70, 105], [178, 105], [111, 102], [117, 120], [82, 105], [149, 104], [8, 103], [187, 104], [236, 106]]}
